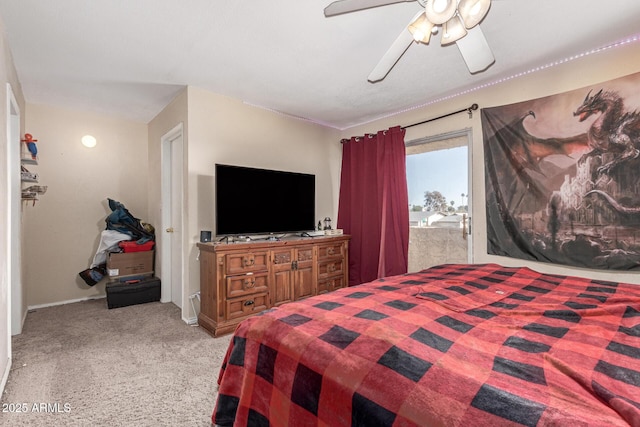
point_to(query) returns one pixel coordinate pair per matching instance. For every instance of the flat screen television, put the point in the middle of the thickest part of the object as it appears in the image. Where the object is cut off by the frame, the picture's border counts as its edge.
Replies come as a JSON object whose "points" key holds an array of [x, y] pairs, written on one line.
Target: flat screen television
{"points": [[263, 201]]}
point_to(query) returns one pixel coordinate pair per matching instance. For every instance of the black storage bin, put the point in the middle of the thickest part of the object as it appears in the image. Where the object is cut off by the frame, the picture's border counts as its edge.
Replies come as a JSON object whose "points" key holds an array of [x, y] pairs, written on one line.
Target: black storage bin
{"points": [[122, 294]]}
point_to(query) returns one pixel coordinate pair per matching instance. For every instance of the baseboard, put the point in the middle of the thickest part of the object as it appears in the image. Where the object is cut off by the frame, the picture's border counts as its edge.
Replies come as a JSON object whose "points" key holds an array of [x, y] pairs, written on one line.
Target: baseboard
{"points": [[5, 376], [71, 301], [190, 321]]}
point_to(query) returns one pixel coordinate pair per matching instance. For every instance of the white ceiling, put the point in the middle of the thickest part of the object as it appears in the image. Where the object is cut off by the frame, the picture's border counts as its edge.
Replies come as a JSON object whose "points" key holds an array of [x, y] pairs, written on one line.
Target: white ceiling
{"points": [[129, 58]]}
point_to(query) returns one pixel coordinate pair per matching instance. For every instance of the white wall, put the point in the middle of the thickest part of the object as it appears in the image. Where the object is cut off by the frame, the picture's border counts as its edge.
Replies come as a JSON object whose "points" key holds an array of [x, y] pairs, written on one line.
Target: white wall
{"points": [[62, 230], [587, 70]]}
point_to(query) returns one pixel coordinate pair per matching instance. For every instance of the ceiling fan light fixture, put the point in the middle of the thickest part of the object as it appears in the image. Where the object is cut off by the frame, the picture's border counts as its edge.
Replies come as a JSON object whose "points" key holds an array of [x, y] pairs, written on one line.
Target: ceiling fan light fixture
{"points": [[421, 29], [453, 30], [473, 11], [440, 11]]}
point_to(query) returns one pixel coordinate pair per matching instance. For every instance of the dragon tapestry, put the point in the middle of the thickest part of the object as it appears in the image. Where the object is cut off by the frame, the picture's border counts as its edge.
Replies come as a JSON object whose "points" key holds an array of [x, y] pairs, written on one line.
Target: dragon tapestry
{"points": [[562, 176]]}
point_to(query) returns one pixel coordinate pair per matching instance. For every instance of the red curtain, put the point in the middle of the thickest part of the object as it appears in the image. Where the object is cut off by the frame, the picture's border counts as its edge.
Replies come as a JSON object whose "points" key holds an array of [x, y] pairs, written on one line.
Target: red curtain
{"points": [[374, 205]]}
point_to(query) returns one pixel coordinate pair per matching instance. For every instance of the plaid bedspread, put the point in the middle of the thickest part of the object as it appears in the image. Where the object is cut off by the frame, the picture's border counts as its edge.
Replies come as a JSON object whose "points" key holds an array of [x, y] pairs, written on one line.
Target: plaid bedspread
{"points": [[454, 345]]}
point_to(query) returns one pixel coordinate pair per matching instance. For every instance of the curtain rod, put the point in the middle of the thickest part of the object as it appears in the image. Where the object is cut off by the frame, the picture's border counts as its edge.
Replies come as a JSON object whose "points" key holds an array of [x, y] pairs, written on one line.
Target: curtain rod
{"points": [[469, 110]]}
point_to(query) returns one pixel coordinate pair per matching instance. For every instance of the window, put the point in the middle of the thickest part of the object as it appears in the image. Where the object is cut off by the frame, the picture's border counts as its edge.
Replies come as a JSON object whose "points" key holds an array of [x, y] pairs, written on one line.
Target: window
{"points": [[438, 186], [442, 172]]}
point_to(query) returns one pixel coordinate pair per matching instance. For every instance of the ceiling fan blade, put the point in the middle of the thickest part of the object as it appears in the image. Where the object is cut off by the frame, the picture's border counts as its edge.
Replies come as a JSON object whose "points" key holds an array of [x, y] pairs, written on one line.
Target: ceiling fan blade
{"points": [[395, 52], [475, 50], [345, 6]]}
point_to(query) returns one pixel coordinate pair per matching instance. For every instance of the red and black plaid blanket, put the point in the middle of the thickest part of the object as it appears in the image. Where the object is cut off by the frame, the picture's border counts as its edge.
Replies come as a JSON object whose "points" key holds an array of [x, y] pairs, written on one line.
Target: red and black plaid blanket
{"points": [[455, 345]]}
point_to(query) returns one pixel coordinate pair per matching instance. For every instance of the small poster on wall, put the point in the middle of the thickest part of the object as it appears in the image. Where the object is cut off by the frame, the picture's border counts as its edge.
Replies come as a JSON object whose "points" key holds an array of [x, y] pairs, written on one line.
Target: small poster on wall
{"points": [[562, 176]]}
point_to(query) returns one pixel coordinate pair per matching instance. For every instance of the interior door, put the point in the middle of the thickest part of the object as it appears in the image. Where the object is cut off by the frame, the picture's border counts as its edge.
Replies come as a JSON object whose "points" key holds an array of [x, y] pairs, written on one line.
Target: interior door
{"points": [[172, 222], [438, 180]]}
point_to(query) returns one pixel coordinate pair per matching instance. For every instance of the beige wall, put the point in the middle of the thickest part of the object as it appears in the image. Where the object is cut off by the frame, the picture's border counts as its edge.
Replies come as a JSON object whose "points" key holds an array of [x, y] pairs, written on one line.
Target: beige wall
{"points": [[225, 130], [62, 230], [585, 71]]}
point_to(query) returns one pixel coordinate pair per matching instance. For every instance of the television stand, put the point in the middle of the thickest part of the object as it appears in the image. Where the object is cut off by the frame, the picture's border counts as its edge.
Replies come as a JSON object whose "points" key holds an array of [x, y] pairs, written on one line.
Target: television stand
{"points": [[238, 280]]}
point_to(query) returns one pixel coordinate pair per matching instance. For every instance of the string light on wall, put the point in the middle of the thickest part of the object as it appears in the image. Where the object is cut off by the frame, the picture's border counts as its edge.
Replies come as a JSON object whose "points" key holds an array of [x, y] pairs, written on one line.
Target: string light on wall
{"points": [[89, 141]]}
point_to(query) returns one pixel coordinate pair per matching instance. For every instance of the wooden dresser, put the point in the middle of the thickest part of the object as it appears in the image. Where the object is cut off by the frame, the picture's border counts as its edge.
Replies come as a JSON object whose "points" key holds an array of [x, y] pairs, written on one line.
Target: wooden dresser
{"points": [[238, 280]]}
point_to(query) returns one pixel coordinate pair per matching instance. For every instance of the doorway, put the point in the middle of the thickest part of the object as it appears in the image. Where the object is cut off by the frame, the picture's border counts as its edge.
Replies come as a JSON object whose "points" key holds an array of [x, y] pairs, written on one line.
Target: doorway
{"points": [[438, 181], [172, 240]]}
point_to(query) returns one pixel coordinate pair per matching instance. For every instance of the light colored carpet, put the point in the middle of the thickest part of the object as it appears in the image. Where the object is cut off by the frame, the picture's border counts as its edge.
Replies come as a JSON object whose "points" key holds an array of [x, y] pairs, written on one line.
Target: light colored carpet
{"points": [[85, 365]]}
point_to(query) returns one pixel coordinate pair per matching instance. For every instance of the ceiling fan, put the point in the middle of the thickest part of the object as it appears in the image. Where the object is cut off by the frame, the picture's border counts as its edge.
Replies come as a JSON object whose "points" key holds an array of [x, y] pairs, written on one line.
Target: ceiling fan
{"points": [[458, 18]]}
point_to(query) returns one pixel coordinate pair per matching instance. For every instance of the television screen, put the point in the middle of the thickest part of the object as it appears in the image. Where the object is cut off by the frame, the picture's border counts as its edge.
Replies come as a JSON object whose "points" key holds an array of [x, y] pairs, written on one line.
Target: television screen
{"points": [[262, 201]]}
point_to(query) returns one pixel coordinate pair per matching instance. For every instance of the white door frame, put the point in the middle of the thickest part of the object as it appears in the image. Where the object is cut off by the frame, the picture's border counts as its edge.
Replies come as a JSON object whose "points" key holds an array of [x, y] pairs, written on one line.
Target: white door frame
{"points": [[470, 194], [10, 279], [15, 297], [168, 268]]}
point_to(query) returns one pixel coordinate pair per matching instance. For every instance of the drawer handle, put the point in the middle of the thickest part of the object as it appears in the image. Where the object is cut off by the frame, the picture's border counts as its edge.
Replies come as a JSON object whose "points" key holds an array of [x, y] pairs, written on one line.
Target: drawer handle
{"points": [[248, 303], [332, 268], [249, 283], [330, 251], [248, 262]]}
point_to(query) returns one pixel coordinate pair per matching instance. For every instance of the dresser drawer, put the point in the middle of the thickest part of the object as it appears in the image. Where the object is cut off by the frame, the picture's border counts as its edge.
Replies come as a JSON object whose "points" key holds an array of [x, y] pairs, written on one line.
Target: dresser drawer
{"points": [[287, 256], [247, 284], [330, 268], [240, 307], [330, 284], [304, 254], [330, 251], [282, 257], [245, 262]]}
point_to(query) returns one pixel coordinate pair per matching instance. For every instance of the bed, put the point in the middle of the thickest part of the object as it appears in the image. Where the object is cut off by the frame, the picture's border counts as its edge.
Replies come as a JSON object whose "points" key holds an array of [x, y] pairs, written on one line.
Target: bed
{"points": [[454, 345]]}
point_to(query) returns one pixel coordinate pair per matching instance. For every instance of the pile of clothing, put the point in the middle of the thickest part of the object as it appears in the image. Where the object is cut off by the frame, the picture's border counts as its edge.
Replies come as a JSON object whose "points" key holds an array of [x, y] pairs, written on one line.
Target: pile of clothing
{"points": [[121, 226]]}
